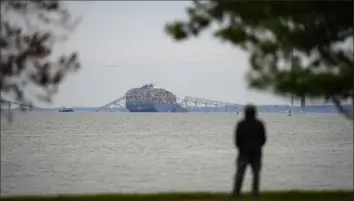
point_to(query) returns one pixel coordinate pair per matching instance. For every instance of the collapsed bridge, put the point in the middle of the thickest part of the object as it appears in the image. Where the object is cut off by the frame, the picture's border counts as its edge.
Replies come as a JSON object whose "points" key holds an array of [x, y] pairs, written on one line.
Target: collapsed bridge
{"points": [[188, 103]]}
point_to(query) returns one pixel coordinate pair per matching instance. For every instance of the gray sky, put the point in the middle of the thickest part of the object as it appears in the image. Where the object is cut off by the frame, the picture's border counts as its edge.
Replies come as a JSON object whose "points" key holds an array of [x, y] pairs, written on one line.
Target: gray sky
{"points": [[122, 45]]}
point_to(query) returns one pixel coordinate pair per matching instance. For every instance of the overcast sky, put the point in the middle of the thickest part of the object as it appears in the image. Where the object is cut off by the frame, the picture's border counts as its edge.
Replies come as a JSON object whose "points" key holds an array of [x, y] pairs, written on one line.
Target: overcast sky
{"points": [[123, 45]]}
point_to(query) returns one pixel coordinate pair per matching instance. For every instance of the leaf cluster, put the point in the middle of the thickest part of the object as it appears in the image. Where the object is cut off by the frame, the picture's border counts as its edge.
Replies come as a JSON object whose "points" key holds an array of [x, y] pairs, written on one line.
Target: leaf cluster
{"points": [[29, 30], [304, 48]]}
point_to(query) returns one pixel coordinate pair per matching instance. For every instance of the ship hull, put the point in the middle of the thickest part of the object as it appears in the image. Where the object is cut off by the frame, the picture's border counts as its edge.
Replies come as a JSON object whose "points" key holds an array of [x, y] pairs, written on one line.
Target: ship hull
{"points": [[66, 110], [155, 108]]}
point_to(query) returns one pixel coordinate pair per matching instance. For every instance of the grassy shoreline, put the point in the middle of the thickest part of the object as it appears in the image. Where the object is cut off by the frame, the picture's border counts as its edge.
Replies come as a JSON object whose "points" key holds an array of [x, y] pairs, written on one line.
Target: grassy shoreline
{"points": [[190, 196]]}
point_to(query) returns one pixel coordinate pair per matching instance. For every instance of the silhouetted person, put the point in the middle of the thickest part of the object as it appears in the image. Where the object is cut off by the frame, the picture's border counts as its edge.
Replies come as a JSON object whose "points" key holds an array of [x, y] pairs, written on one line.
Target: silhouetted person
{"points": [[250, 136]]}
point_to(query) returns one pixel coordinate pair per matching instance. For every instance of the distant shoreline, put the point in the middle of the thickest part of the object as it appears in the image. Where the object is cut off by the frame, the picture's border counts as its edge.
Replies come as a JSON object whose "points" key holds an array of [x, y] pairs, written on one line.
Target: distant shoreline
{"points": [[261, 109]]}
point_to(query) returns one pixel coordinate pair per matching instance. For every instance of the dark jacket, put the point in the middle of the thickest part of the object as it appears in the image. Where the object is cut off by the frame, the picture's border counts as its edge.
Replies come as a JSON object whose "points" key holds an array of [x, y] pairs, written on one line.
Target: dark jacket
{"points": [[250, 135]]}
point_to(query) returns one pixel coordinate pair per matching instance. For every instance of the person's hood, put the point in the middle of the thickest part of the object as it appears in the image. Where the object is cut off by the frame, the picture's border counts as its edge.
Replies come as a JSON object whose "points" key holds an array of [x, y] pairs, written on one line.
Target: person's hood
{"points": [[250, 113]]}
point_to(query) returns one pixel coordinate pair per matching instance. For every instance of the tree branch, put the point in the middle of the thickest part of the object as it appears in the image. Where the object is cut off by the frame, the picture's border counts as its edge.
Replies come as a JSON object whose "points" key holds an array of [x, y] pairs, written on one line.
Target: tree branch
{"points": [[348, 114]]}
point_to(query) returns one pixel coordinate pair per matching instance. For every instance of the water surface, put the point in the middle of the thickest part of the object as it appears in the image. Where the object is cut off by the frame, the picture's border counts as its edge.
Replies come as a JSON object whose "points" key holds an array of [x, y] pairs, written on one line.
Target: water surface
{"points": [[50, 153]]}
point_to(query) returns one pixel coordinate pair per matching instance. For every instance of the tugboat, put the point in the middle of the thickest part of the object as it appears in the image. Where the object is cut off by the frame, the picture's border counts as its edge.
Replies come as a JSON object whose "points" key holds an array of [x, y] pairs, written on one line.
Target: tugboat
{"points": [[66, 110]]}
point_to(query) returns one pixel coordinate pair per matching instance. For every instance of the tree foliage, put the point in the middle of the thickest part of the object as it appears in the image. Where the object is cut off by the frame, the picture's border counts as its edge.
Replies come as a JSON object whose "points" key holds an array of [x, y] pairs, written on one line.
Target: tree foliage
{"points": [[295, 46], [29, 29]]}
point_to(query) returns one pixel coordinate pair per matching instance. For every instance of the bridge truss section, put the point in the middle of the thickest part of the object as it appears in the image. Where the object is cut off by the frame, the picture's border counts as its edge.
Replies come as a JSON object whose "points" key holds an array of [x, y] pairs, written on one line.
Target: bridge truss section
{"points": [[193, 104], [13, 106], [117, 105]]}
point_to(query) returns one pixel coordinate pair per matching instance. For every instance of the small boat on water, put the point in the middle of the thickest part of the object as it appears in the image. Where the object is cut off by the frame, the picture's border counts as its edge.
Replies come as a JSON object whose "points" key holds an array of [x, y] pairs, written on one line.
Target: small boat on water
{"points": [[66, 110]]}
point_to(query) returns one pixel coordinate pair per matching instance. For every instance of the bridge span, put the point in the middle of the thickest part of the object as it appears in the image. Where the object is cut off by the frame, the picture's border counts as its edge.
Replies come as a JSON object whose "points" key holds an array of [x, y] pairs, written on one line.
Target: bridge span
{"points": [[188, 103], [15, 106]]}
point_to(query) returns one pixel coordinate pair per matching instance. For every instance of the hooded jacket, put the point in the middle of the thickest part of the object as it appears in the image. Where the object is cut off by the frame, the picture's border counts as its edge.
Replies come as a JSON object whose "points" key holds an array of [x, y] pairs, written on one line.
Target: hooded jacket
{"points": [[250, 134]]}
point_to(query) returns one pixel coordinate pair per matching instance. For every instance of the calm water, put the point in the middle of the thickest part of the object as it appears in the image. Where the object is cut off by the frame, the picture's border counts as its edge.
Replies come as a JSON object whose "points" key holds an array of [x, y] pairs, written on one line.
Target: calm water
{"points": [[46, 153]]}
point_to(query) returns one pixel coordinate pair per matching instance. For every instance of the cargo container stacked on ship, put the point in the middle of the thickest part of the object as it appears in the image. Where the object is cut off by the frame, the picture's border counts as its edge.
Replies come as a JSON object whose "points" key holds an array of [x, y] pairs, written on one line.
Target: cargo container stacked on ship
{"points": [[150, 99]]}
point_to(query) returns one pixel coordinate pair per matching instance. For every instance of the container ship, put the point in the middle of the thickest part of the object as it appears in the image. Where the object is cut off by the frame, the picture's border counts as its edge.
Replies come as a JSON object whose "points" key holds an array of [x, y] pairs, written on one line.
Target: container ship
{"points": [[150, 99], [63, 109]]}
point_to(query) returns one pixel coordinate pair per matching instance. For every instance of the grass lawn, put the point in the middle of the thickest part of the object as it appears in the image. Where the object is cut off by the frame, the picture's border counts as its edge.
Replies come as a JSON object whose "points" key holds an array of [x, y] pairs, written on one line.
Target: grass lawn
{"points": [[266, 196]]}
